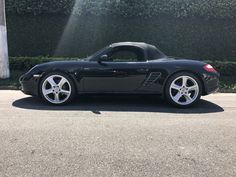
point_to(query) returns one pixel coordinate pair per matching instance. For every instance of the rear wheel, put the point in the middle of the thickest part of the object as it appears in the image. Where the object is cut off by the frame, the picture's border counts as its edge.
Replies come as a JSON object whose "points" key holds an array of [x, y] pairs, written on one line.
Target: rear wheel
{"points": [[183, 89], [57, 89]]}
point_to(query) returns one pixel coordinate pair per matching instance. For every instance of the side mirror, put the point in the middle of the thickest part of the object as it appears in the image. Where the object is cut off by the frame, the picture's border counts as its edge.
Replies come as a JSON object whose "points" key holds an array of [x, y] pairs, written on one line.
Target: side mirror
{"points": [[103, 58]]}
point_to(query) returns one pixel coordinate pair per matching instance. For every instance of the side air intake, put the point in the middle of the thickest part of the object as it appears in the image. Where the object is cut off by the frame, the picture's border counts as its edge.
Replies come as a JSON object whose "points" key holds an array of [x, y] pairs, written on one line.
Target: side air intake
{"points": [[152, 78]]}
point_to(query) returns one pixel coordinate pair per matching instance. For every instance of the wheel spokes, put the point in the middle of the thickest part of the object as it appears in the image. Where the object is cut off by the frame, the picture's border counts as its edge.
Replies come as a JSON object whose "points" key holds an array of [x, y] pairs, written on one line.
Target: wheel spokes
{"points": [[62, 82], [65, 92], [177, 96], [56, 89], [188, 98], [184, 81], [192, 88], [56, 97], [175, 86], [184, 90], [48, 91], [51, 81]]}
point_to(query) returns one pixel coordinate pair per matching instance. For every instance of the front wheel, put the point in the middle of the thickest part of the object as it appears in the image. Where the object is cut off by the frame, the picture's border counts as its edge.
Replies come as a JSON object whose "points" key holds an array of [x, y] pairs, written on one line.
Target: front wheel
{"points": [[183, 89], [57, 89]]}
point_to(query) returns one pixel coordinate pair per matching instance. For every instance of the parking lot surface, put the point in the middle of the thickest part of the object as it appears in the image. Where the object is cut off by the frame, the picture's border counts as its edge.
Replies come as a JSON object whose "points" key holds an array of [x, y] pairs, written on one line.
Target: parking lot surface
{"points": [[117, 136]]}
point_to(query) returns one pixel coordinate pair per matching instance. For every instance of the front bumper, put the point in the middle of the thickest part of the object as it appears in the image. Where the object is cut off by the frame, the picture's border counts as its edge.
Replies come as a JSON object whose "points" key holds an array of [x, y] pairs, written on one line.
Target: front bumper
{"points": [[29, 84]]}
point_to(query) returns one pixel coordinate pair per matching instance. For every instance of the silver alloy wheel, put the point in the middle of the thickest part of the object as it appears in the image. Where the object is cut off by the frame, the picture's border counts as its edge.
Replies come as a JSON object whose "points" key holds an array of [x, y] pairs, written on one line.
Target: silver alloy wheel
{"points": [[56, 89], [184, 90]]}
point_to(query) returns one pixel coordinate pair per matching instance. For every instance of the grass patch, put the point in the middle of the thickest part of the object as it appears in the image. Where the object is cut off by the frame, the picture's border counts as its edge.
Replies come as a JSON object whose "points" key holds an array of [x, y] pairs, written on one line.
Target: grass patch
{"points": [[228, 84]]}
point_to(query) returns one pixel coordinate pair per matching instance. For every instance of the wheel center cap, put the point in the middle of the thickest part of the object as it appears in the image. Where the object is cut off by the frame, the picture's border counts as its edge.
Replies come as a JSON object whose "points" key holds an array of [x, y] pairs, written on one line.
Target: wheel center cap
{"points": [[56, 89], [184, 90]]}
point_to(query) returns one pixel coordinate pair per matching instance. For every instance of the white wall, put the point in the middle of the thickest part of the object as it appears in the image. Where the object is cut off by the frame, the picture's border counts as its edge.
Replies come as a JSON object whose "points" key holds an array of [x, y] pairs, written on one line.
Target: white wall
{"points": [[4, 64]]}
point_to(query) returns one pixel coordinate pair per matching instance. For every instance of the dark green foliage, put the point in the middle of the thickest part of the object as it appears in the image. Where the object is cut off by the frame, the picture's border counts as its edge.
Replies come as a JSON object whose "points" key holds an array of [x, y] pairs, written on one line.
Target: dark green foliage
{"points": [[225, 68], [197, 29], [25, 63], [47, 35], [127, 8], [36, 7]]}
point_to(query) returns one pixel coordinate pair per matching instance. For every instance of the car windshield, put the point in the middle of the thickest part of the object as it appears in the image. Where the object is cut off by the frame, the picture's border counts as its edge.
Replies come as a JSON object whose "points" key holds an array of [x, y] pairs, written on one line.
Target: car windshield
{"points": [[94, 56], [152, 52]]}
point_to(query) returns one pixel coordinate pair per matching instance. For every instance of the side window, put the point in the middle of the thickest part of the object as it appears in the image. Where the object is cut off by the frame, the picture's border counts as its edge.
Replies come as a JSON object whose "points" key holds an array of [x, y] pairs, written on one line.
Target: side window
{"points": [[126, 54]]}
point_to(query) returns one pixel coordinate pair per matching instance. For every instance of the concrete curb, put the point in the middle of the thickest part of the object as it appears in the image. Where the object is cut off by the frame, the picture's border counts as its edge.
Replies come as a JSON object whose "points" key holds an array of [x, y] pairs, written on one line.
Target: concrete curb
{"points": [[9, 87]]}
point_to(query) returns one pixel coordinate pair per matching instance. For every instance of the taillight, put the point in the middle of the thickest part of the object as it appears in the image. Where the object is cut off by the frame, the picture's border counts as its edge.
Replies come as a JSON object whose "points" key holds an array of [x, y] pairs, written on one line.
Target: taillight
{"points": [[209, 68]]}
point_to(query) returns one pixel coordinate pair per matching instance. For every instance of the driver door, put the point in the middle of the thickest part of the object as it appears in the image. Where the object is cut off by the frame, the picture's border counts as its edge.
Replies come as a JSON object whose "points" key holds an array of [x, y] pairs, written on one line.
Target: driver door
{"points": [[124, 71]]}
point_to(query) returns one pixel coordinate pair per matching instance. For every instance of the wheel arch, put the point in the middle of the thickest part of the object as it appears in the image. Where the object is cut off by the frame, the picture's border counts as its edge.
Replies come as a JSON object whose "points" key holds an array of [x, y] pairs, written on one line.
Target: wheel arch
{"points": [[56, 71], [188, 71]]}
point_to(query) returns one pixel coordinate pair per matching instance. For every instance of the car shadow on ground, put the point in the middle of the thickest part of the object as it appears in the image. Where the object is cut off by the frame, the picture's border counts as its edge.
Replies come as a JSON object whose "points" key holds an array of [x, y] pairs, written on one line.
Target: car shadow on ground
{"points": [[97, 104]]}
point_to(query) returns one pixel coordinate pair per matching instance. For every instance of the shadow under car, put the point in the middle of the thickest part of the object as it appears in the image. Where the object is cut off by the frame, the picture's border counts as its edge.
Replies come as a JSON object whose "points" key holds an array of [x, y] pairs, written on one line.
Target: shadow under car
{"points": [[96, 104]]}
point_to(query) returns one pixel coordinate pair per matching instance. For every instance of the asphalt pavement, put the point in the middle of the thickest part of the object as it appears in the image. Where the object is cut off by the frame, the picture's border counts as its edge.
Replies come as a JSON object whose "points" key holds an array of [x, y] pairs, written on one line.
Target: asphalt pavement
{"points": [[106, 136]]}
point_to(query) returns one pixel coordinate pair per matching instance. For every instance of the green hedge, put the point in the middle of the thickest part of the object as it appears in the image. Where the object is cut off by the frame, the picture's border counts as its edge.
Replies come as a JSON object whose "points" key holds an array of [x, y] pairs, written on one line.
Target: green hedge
{"points": [[45, 35], [25, 63], [45, 27], [225, 68], [127, 8]]}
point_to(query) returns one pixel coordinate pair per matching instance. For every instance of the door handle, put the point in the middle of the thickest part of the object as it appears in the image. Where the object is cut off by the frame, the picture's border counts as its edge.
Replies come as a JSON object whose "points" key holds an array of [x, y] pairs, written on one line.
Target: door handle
{"points": [[142, 70], [119, 73]]}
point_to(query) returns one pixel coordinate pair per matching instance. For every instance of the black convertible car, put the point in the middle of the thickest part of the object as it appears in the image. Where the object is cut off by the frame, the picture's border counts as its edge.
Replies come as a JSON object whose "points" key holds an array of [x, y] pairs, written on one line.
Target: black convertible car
{"points": [[126, 67]]}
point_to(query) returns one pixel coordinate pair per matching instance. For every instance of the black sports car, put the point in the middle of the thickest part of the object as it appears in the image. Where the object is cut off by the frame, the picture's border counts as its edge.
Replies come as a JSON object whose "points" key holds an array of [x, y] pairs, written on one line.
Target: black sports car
{"points": [[126, 67]]}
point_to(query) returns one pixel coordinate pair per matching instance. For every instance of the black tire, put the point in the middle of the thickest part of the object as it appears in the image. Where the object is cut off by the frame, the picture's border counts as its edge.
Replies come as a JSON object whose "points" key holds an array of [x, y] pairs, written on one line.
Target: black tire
{"points": [[72, 86], [173, 78]]}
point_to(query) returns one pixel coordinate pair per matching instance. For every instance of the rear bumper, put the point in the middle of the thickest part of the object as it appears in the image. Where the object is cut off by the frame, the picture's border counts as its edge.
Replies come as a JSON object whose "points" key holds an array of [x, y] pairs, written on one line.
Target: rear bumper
{"points": [[211, 83]]}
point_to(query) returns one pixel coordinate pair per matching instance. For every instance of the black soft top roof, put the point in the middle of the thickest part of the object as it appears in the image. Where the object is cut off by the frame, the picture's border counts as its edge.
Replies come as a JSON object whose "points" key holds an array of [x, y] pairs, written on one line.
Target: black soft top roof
{"points": [[151, 51], [137, 44]]}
